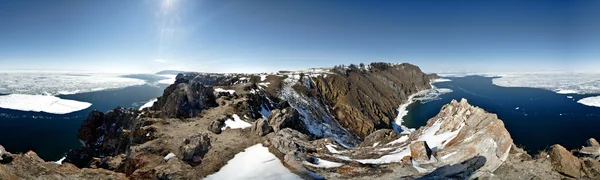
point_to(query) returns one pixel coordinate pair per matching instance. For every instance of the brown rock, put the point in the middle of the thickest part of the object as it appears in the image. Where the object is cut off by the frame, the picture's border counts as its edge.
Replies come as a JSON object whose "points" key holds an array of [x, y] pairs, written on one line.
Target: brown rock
{"points": [[419, 151], [194, 148], [591, 167], [382, 136], [592, 142], [564, 162], [593, 151], [286, 118], [216, 125], [261, 127]]}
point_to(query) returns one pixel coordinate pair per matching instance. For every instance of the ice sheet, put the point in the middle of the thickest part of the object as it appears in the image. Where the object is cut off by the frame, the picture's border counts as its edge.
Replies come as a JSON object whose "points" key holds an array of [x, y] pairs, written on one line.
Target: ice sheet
{"points": [[562, 83], [41, 103], [61, 83], [256, 162], [590, 101]]}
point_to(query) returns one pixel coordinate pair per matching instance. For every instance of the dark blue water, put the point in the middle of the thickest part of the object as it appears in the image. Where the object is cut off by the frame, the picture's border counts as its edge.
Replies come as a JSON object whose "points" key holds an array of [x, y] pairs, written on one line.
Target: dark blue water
{"points": [[543, 118], [52, 135]]}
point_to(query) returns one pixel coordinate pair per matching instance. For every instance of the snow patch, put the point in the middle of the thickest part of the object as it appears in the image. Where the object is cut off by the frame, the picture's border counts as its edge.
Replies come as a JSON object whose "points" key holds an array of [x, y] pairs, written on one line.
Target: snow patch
{"points": [[399, 140], [255, 162], [41, 103], [265, 84], [236, 123], [169, 156], [566, 91], [590, 101], [60, 160], [395, 156], [436, 142], [148, 104], [223, 90], [321, 163], [331, 149], [263, 77]]}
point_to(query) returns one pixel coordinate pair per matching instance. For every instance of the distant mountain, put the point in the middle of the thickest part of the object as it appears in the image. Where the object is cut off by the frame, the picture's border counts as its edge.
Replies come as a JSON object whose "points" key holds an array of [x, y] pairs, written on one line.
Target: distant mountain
{"points": [[173, 72]]}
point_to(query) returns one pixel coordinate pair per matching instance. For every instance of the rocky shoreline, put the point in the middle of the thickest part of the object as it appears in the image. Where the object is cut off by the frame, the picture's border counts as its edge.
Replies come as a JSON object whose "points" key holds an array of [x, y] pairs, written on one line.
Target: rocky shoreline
{"points": [[319, 124]]}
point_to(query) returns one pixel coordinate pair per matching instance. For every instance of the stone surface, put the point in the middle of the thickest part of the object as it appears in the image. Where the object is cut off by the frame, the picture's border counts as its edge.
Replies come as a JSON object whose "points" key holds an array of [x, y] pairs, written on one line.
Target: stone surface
{"points": [[184, 100], [194, 148], [564, 162], [285, 118], [592, 142], [262, 127], [382, 136], [419, 151], [216, 125]]}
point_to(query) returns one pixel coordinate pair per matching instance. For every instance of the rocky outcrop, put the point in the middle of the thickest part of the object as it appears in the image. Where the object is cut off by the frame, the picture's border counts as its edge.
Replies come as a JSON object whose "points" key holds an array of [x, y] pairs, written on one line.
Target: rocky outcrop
{"points": [[194, 148], [105, 135], [564, 162], [419, 151], [184, 100], [592, 142], [30, 166], [366, 100]]}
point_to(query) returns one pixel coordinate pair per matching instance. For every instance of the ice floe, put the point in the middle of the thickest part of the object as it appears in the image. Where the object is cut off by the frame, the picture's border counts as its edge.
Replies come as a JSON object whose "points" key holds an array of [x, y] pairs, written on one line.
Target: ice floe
{"points": [[61, 83], [255, 162], [562, 83], [441, 80], [236, 123], [590, 101], [41, 103], [148, 104]]}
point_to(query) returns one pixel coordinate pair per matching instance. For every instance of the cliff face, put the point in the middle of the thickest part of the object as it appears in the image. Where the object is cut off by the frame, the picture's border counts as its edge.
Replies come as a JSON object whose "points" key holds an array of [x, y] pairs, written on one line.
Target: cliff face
{"points": [[322, 123], [366, 100]]}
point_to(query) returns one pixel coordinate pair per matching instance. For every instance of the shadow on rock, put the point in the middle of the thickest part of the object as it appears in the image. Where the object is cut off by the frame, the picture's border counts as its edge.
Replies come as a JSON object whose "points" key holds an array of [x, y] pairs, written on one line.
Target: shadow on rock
{"points": [[463, 170]]}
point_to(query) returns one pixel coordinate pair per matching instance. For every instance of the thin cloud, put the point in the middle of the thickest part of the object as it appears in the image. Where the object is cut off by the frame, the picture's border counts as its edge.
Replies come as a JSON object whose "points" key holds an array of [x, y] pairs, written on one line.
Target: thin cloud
{"points": [[161, 60]]}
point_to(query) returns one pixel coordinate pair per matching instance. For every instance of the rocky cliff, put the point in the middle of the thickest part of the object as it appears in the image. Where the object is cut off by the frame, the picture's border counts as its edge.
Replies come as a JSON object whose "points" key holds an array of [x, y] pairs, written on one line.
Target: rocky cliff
{"points": [[317, 124]]}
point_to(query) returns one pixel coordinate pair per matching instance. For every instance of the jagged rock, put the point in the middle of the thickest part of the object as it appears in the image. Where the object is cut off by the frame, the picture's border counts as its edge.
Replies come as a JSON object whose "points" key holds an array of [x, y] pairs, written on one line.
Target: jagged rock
{"points": [[382, 136], [216, 125], [463, 170], [113, 163], [564, 162], [30, 166], [591, 167], [419, 151], [106, 135], [593, 151], [261, 127], [286, 118], [478, 133], [592, 142], [289, 141], [194, 148], [185, 100]]}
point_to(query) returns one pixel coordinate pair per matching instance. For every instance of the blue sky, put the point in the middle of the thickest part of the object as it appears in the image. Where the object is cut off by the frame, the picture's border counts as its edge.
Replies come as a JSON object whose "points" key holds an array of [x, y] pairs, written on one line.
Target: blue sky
{"points": [[257, 35]]}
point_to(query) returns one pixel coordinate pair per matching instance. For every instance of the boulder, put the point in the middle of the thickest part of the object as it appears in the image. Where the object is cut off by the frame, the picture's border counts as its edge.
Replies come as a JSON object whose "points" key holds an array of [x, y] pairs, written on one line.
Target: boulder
{"points": [[285, 118], [564, 162], [184, 100], [591, 167], [216, 125], [261, 127], [592, 142], [194, 148], [593, 151], [419, 151]]}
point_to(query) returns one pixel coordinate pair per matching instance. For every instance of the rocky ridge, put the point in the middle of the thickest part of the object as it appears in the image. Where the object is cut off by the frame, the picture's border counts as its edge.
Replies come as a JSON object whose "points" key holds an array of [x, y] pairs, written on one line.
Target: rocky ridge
{"points": [[310, 121]]}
